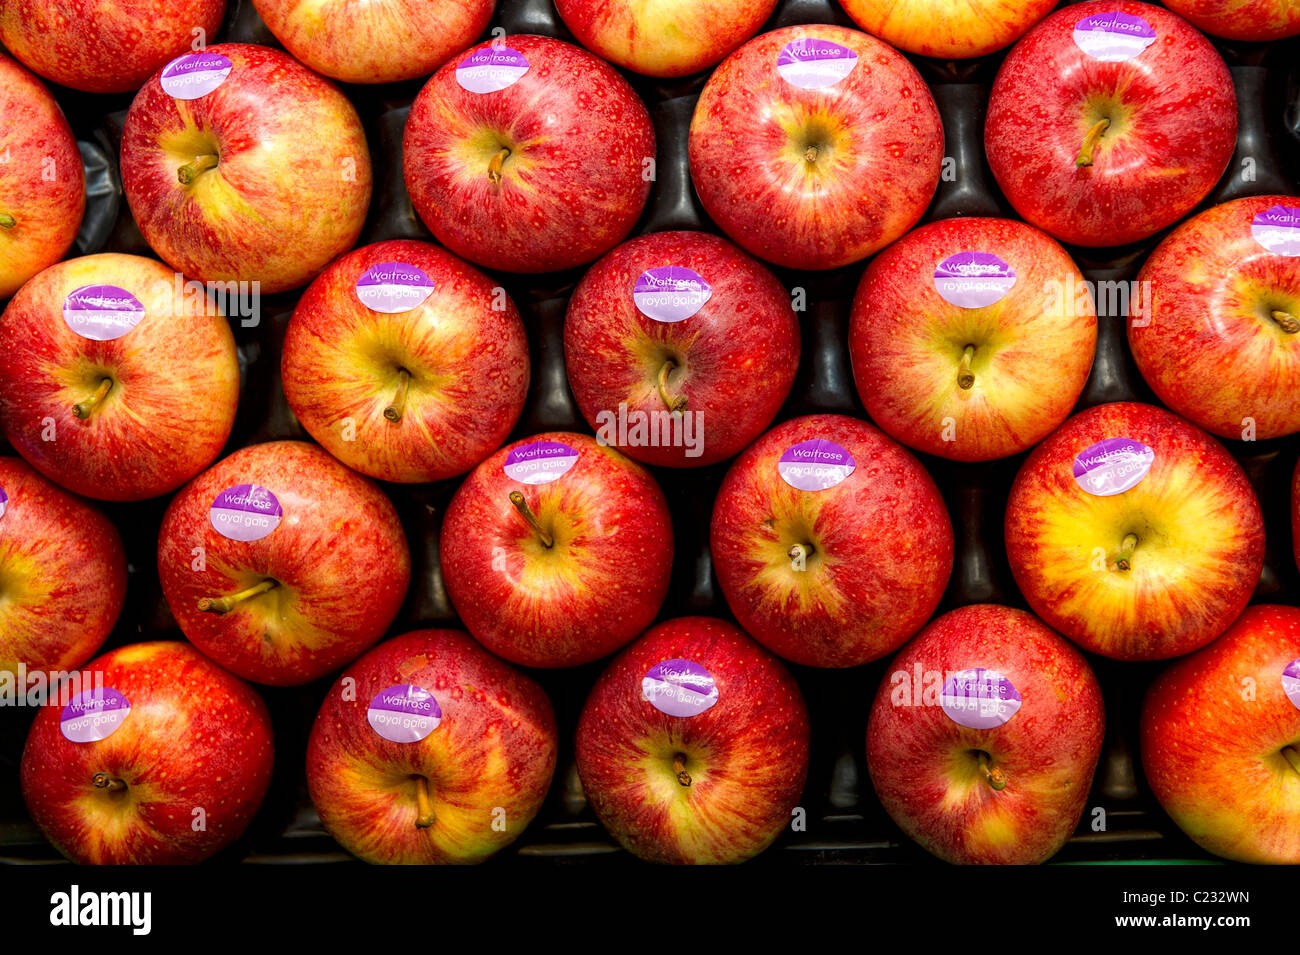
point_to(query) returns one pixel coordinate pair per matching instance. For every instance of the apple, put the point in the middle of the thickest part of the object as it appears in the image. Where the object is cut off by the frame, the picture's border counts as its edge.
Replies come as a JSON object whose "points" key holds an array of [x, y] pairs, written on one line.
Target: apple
{"points": [[405, 363], [162, 758], [1134, 533], [1110, 120], [115, 381], [242, 165], [528, 154], [693, 745], [42, 182], [1253, 20], [382, 41], [972, 339], [282, 564], [430, 750], [1221, 740], [983, 739], [814, 146], [680, 348], [831, 543], [105, 46], [1220, 343], [948, 29], [557, 550], [664, 37]]}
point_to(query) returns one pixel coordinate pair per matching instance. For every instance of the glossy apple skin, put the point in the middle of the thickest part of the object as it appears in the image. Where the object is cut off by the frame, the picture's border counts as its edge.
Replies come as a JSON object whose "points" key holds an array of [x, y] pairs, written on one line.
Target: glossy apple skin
{"points": [[1200, 538], [881, 153], [1252, 20], [881, 547], [196, 738], [924, 765], [38, 142], [949, 29], [376, 42], [1211, 350], [104, 46], [734, 360], [494, 750], [747, 755], [62, 574], [292, 185], [579, 137], [175, 376], [1212, 750], [1033, 351], [599, 585], [339, 556], [1173, 114], [467, 362], [664, 37]]}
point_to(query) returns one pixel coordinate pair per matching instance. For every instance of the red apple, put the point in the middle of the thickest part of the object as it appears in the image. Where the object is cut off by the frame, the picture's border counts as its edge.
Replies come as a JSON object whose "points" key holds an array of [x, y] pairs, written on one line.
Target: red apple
{"points": [[1221, 740], [405, 363], [1134, 533], [1220, 343], [260, 176], [42, 183], [164, 760], [949, 29], [281, 564], [1252, 20], [557, 551], [693, 745], [831, 542], [814, 146], [529, 155], [1110, 120], [116, 381], [430, 750], [680, 348], [972, 339], [983, 739]]}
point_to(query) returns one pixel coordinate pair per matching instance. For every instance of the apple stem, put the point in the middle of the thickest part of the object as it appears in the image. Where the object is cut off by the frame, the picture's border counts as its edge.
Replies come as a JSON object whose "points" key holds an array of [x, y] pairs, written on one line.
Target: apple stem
{"points": [[7, 221], [423, 804], [1290, 324], [679, 767], [83, 408], [811, 153], [227, 604], [800, 552], [1292, 756], [1090, 142], [1125, 561], [394, 411], [192, 170], [966, 377], [996, 778], [105, 781], [674, 405], [496, 165], [526, 512]]}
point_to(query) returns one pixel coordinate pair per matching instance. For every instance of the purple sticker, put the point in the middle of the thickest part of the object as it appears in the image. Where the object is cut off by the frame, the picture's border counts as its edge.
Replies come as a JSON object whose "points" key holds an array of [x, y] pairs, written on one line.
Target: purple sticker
{"points": [[393, 287], [245, 512], [1112, 466], [404, 713], [93, 715], [491, 69], [1278, 230], [1291, 682], [813, 64], [194, 75], [979, 699], [973, 279], [4, 501], [672, 293], [540, 462], [815, 465], [1113, 37], [679, 688], [102, 312]]}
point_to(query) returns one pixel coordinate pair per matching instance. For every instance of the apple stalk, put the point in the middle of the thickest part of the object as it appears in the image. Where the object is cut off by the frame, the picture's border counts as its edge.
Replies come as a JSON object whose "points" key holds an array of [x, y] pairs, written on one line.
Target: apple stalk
{"points": [[423, 804], [7, 221], [227, 604], [82, 409], [395, 411], [192, 170], [992, 774], [679, 767], [526, 512], [966, 377], [1125, 561], [1090, 142], [105, 781], [676, 404], [1288, 322], [497, 164]]}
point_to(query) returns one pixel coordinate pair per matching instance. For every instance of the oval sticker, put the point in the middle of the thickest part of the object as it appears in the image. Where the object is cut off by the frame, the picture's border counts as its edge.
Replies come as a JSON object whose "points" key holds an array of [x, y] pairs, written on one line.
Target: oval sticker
{"points": [[4, 501], [973, 279], [1113, 37], [679, 688], [979, 699], [1112, 466], [102, 313], [93, 715], [672, 293], [245, 513], [194, 75], [1278, 230], [815, 465], [491, 69], [1291, 682], [404, 713], [813, 64], [393, 287], [540, 462]]}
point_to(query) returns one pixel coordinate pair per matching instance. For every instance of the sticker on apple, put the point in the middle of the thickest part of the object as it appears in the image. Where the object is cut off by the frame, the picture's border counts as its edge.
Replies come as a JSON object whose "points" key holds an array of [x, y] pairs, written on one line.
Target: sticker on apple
{"points": [[979, 699], [679, 688], [540, 462], [491, 69], [1113, 37], [672, 293], [404, 713], [4, 501], [1278, 230], [815, 465], [245, 513], [1291, 682], [973, 279], [102, 313], [393, 287], [93, 715], [813, 64], [194, 75], [1112, 466]]}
